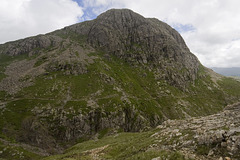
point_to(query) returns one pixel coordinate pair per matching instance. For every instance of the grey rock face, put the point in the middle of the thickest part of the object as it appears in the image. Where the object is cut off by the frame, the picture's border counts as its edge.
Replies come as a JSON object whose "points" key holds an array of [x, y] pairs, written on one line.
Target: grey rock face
{"points": [[71, 125], [140, 40], [29, 45]]}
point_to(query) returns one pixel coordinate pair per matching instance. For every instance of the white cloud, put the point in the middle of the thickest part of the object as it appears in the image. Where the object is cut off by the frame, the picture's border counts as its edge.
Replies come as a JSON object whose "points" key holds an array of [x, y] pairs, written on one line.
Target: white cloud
{"points": [[215, 33], [23, 18]]}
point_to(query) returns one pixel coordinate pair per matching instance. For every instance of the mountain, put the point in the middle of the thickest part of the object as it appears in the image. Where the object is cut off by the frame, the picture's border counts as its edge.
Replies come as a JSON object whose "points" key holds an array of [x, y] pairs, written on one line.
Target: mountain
{"points": [[234, 71], [118, 73]]}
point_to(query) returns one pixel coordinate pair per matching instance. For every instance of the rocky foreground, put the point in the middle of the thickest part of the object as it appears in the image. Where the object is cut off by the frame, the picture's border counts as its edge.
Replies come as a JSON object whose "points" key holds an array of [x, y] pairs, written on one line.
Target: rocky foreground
{"points": [[212, 137]]}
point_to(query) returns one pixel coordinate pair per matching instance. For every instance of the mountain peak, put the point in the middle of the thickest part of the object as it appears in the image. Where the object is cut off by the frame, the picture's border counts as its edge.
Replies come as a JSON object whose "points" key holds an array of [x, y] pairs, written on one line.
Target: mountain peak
{"points": [[126, 24], [123, 15], [130, 36]]}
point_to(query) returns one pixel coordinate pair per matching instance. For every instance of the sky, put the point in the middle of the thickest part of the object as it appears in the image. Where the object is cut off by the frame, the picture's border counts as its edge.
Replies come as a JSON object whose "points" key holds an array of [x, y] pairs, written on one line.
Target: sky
{"points": [[210, 28]]}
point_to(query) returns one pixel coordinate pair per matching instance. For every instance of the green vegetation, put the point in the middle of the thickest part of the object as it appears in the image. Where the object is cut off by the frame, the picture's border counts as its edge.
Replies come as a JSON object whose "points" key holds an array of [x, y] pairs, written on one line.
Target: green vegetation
{"points": [[8, 152], [231, 87], [14, 113], [122, 146], [203, 149], [114, 86], [40, 61]]}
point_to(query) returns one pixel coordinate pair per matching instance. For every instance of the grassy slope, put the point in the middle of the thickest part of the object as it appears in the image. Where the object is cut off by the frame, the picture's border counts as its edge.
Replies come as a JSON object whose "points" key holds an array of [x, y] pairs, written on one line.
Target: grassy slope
{"points": [[145, 93], [16, 152], [121, 146]]}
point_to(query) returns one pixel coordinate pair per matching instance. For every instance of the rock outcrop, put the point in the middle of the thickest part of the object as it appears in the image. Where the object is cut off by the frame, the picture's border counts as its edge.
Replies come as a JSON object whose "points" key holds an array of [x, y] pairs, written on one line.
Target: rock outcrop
{"points": [[210, 137], [30, 45]]}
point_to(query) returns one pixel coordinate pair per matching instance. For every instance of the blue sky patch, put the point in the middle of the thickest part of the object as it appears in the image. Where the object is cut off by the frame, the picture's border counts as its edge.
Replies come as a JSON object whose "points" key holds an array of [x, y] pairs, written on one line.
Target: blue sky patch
{"points": [[91, 12], [181, 28], [88, 12], [80, 3]]}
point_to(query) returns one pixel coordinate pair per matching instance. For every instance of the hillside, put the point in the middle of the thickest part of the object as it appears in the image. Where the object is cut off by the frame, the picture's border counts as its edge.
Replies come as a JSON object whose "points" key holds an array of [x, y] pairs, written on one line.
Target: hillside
{"points": [[118, 73], [212, 137]]}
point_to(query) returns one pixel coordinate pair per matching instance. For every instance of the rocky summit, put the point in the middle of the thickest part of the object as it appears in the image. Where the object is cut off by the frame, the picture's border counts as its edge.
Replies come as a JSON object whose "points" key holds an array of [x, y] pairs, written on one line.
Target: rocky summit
{"points": [[104, 78]]}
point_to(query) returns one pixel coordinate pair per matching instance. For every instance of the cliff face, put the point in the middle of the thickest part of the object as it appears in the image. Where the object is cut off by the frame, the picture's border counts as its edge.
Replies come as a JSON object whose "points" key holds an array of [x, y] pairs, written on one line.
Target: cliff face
{"points": [[140, 40], [119, 72]]}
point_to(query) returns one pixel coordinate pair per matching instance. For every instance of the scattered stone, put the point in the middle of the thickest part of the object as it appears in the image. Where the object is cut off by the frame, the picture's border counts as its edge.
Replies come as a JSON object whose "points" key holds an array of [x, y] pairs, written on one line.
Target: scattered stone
{"points": [[211, 153], [203, 133]]}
